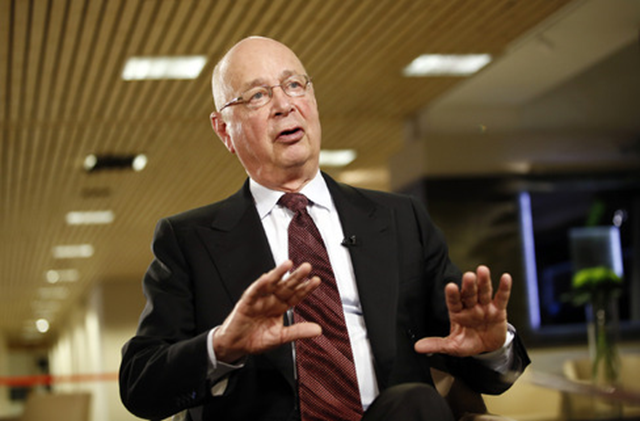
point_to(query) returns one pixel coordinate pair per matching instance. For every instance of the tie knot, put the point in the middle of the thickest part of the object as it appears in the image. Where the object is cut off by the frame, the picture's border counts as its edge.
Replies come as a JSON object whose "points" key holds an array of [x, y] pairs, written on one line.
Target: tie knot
{"points": [[295, 202]]}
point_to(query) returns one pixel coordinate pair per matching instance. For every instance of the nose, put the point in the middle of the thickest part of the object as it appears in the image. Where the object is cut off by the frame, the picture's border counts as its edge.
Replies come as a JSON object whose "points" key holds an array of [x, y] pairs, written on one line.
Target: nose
{"points": [[280, 102]]}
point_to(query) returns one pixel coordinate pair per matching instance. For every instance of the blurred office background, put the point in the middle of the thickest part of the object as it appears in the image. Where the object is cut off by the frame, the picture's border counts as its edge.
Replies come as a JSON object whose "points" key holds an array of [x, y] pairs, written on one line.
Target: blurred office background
{"points": [[542, 138]]}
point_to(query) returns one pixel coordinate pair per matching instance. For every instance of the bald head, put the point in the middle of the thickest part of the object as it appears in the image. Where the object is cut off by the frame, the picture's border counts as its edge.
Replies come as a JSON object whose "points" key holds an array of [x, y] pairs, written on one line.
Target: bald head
{"points": [[277, 142], [243, 57]]}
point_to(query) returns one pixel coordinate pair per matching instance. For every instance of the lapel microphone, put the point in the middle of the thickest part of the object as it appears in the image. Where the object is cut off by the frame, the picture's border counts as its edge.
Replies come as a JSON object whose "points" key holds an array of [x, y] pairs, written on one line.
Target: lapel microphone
{"points": [[349, 241]]}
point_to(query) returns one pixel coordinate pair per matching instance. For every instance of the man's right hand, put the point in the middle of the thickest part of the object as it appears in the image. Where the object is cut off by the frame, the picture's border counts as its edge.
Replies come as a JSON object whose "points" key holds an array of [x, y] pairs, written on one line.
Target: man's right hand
{"points": [[256, 323]]}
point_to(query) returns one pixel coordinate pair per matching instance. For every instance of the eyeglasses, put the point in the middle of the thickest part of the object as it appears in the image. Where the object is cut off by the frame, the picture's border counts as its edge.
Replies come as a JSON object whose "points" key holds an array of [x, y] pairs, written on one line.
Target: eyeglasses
{"points": [[294, 86]]}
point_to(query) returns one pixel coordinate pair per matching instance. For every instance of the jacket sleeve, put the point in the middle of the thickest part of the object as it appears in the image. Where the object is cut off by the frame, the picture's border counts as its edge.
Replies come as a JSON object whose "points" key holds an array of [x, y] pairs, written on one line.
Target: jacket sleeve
{"points": [[440, 271], [164, 367]]}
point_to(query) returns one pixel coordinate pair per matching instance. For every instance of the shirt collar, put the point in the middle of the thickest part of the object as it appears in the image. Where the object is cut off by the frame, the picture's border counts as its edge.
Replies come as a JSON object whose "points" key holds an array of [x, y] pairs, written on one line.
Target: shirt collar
{"points": [[266, 199]]}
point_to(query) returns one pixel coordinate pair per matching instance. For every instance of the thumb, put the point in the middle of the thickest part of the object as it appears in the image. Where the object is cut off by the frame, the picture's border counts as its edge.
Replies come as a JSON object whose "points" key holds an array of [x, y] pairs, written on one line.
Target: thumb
{"points": [[433, 345], [303, 330]]}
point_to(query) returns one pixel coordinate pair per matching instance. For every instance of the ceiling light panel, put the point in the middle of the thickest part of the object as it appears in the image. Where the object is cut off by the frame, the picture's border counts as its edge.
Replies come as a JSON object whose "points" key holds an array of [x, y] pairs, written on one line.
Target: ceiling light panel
{"points": [[62, 275], [90, 217], [73, 251], [446, 65], [158, 68], [337, 157]]}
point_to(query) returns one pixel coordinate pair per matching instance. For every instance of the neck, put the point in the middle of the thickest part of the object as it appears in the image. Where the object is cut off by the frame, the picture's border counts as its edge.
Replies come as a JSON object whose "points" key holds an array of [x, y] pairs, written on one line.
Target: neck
{"points": [[287, 184]]}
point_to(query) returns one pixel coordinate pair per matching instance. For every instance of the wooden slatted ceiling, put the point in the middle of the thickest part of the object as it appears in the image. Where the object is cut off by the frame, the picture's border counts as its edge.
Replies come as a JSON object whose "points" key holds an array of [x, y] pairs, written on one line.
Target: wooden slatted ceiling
{"points": [[62, 98]]}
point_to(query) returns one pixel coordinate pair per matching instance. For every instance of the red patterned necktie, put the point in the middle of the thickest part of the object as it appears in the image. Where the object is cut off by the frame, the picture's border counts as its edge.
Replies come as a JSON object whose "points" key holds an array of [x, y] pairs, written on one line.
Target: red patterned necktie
{"points": [[327, 383]]}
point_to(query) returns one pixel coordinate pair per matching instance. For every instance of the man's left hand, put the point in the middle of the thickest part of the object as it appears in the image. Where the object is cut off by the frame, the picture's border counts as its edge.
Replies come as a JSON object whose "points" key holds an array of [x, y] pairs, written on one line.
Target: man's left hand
{"points": [[478, 319]]}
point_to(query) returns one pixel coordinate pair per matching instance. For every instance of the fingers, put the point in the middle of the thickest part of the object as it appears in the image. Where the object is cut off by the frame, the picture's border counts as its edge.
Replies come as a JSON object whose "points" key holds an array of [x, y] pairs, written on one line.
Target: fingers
{"points": [[478, 319], [504, 292], [265, 285], [485, 289], [279, 286], [452, 297], [296, 286], [476, 288], [468, 295], [277, 282], [469, 290]]}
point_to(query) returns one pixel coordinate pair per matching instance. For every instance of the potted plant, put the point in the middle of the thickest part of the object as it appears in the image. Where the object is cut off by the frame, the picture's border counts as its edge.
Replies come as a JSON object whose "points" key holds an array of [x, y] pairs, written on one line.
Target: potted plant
{"points": [[598, 288]]}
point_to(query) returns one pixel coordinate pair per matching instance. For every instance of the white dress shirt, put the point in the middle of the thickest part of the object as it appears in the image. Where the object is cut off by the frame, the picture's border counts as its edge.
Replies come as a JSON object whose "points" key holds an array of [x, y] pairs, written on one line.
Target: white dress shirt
{"points": [[275, 220]]}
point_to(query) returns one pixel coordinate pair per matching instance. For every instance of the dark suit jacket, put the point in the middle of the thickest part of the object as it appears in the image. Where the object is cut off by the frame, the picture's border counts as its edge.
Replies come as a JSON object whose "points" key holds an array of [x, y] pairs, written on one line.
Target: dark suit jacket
{"points": [[204, 260]]}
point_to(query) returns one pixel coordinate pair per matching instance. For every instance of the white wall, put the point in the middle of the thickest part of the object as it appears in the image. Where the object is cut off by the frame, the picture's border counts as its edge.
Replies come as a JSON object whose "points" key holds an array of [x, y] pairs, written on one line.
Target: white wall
{"points": [[78, 352], [122, 304], [88, 348]]}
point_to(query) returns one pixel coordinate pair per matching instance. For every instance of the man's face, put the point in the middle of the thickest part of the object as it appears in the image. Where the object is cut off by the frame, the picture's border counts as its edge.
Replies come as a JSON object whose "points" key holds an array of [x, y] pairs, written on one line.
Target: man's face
{"points": [[279, 141]]}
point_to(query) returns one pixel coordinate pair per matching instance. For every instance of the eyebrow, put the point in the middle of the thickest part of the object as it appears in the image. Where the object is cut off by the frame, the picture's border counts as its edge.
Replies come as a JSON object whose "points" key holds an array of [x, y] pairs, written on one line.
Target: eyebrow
{"points": [[262, 82]]}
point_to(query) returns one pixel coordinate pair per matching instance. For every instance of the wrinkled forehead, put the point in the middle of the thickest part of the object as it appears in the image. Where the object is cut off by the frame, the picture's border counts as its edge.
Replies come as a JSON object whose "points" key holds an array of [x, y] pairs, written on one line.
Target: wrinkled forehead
{"points": [[258, 62]]}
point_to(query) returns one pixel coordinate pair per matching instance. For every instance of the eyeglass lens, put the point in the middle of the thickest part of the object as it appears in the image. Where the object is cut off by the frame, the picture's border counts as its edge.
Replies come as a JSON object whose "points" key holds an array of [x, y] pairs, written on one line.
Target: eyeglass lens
{"points": [[294, 86]]}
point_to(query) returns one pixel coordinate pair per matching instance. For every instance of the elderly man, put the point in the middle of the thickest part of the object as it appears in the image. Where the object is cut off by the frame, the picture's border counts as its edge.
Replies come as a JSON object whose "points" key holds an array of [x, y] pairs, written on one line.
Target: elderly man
{"points": [[299, 298]]}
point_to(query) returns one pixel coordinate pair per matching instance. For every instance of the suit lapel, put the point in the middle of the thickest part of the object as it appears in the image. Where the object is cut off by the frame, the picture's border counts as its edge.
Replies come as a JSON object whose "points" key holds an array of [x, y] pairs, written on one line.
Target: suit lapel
{"points": [[240, 251], [374, 262], [237, 243]]}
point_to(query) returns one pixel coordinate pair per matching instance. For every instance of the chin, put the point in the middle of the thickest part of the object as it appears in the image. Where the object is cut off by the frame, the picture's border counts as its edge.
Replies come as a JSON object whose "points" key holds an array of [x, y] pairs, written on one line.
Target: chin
{"points": [[296, 158]]}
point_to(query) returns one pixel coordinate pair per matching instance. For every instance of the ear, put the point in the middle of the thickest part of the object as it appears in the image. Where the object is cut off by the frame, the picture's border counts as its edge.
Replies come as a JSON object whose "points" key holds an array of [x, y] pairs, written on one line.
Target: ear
{"points": [[220, 127]]}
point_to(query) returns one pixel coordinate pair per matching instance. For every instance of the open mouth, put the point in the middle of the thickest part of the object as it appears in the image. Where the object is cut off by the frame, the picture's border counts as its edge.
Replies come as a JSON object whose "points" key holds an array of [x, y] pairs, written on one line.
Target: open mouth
{"points": [[291, 135], [290, 131]]}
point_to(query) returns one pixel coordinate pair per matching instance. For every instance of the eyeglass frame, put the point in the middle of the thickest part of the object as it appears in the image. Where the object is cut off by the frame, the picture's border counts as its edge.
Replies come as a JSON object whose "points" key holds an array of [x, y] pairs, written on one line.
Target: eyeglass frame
{"points": [[241, 100]]}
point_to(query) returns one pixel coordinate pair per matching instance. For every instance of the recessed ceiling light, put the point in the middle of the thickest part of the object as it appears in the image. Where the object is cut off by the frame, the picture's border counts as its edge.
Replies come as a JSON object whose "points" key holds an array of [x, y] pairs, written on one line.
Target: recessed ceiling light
{"points": [[52, 276], [156, 68], [446, 65], [90, 217], [90, 162], [337, 157], [73, 251], [42, 325], [94, 163], [139, 162]]}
